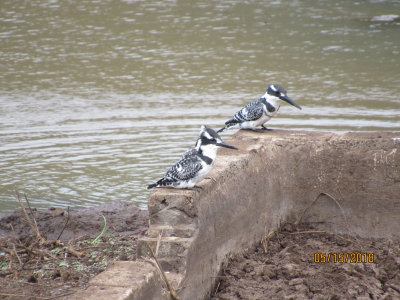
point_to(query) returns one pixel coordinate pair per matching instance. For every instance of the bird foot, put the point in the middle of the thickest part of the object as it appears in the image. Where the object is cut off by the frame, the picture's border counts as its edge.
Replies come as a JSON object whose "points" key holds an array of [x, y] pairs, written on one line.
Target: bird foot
{"points": [[210, 178], [265, 128], [249, 129], [197, 188]]}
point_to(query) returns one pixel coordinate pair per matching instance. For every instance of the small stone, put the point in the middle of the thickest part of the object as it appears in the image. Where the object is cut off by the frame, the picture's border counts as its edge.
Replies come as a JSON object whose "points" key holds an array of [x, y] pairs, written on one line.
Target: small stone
{"points": [[295, 281]]}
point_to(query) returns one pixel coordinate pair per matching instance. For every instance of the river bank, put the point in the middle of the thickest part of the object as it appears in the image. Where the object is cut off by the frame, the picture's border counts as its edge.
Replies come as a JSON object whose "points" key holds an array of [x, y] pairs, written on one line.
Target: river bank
{"points": [[66, 255]]}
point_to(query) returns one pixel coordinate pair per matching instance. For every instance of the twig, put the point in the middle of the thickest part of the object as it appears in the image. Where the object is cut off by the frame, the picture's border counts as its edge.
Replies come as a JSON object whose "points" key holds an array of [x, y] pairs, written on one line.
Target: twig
{"points": [[347, 225], [16, 254], [102, 232], [279, 240], [65, 225], [12, 253], [4, 249], [158, 242], [394, 288], [15, 235], [315, 200], [216, 289], [21, 204], [31, 223], [33, 218], [73, 252], [164, 277], [265, 240]]}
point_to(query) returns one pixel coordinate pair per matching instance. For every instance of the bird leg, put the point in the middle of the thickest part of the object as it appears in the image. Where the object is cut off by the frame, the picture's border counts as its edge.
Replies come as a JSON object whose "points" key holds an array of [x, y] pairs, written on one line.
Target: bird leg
{"points": [[196, 187], [210, 178], [265, 128]]}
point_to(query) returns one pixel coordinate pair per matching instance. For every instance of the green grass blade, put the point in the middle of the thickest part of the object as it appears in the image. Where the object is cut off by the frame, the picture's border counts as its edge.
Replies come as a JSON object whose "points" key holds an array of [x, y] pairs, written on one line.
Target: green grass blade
{"points": [[102, 232]]}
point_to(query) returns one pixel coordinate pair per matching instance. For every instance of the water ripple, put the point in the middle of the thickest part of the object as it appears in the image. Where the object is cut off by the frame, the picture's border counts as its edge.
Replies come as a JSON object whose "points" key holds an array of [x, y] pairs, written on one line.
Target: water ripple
{"points": [[93, 109]]}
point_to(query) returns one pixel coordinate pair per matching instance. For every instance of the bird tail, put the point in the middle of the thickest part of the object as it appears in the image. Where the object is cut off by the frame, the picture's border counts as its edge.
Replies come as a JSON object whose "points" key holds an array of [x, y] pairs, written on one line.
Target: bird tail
{"points": [[228, 124], [162, 182], [149, 187]]}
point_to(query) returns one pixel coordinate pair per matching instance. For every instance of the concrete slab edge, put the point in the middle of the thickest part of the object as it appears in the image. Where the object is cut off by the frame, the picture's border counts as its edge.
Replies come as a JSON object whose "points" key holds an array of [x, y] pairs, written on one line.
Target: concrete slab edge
{"points": [[284, 170]]}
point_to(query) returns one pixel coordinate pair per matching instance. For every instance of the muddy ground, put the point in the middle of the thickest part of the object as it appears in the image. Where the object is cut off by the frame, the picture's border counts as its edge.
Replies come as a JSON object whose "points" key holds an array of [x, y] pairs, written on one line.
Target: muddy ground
{"points": [[283, 266], [67, 254], [289, 264]]}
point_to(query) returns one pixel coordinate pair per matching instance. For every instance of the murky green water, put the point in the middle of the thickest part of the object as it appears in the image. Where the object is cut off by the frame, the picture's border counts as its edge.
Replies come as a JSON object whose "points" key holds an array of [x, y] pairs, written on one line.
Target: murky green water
{"points": [[99, 98]]}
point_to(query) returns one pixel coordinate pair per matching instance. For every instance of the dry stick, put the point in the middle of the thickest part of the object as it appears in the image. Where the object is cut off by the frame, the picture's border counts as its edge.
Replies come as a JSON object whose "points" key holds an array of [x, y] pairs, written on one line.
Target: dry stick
{"points": [[16, 254], [14, 248], [65, 225], [31, 223], [158, 242], [12, 253], [19, 244], [315, 200], [170, 288], [73, 252], [394, 288], [33, 218], [341, 211], [277, 236], [14, 234], [216, 289], [266, 239], [21, 204]]}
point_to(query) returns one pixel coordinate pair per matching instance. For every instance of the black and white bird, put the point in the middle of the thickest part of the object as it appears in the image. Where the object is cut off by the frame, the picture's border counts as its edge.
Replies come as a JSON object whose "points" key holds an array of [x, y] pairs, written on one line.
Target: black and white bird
{"points": [[258, 112], [195, 164]]}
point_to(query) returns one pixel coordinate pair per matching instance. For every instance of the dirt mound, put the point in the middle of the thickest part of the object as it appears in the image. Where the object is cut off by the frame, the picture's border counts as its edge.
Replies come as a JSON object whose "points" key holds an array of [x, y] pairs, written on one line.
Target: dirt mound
{"points": [[68, 253], [293, 264], [122, 218]]}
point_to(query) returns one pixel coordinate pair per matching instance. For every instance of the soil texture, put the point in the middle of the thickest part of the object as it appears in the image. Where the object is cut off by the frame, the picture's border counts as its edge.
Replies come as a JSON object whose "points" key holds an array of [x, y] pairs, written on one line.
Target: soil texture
{"points": [[301, 262], [72, 247]]}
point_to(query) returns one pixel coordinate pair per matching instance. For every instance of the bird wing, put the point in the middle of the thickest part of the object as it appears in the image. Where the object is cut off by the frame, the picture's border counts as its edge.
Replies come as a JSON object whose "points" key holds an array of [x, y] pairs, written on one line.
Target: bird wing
{"points": [[184, 169], [189, 152], [252, 111]]}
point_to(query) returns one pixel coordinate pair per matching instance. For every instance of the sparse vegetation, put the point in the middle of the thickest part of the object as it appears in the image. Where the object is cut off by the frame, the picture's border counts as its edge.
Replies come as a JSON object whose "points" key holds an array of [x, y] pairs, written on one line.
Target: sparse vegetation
{"points": [[33, 267]]}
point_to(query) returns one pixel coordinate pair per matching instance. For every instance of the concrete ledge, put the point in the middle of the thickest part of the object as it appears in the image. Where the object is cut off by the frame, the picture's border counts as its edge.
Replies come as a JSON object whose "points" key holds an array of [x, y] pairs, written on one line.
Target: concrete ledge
{"points": [[273, 177], [125, 280]]}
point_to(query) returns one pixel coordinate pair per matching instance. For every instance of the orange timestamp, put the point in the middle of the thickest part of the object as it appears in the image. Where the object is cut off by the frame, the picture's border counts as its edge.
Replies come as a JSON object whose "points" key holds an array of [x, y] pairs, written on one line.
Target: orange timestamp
{"points": [[341, 257]]}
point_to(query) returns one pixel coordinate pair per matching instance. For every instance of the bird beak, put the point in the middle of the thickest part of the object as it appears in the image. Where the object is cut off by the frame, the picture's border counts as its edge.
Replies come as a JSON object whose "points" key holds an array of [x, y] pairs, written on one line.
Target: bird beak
{"points": [[288, 100], [226, 145]]}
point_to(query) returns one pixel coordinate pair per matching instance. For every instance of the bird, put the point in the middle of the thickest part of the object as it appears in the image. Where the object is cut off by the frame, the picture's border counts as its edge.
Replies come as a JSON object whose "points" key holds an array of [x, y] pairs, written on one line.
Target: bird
{"points": [[258, 112], [195, 164]]}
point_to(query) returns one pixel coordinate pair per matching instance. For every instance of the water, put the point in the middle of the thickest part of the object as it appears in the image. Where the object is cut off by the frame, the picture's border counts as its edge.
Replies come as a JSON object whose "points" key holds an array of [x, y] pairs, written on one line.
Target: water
{"points": [[99, 98]]}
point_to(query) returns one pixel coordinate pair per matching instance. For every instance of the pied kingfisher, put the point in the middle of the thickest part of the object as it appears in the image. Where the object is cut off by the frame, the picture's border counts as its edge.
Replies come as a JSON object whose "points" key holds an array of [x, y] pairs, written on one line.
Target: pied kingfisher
{"points": [[195, 164], [258, 112]]}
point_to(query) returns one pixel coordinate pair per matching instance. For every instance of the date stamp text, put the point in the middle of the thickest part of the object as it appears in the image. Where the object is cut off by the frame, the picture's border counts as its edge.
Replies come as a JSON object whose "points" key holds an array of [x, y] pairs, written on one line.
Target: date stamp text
{"points": [[342, 257]]}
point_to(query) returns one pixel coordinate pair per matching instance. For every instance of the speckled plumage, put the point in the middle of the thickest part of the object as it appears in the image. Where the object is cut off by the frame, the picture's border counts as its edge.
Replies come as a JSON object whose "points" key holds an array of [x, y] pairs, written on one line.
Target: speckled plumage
{"points": [[195, 164], [183, 171], [251, 112], [258, 112]]}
